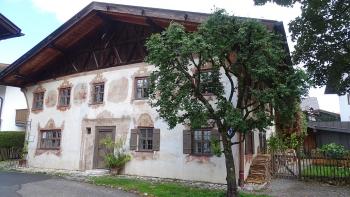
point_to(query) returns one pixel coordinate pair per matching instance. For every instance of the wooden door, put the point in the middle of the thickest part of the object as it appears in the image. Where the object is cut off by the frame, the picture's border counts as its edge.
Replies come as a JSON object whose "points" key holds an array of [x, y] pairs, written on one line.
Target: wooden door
{"points": [[100, 149]]}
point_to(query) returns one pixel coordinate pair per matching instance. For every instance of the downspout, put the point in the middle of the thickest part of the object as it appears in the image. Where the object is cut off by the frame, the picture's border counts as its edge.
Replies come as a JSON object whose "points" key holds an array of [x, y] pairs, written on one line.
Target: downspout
{"points": [[241, 161], [1, 103]]}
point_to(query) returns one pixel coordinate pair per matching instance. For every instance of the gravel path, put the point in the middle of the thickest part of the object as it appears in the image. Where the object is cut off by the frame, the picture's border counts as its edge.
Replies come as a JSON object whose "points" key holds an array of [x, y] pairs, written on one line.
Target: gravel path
{"points": [[293, 188]]}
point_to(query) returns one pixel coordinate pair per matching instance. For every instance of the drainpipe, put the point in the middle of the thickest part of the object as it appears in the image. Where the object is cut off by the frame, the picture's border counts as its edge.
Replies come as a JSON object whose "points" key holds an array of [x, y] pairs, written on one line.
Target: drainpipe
{"points": [[1, 103], [241, 161]]}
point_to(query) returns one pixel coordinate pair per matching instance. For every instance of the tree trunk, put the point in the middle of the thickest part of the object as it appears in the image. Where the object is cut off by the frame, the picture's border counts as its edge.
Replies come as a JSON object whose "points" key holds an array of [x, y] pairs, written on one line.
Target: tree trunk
{"points": [[230, 167]]}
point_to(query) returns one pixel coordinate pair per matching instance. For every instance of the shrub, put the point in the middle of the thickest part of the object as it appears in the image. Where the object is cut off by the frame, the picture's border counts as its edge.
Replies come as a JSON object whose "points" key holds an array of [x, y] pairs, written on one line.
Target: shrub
{"points": [[334, 150], [9, 139], [117, 157]]}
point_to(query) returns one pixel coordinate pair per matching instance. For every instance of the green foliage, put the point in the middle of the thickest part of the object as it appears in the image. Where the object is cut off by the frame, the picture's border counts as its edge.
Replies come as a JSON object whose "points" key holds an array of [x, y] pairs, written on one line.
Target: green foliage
{"points": [[334, 150], [326, 171], [323, 45], [117, 158], [263, 77], [282, 142], [161, 189], [9, 139]]}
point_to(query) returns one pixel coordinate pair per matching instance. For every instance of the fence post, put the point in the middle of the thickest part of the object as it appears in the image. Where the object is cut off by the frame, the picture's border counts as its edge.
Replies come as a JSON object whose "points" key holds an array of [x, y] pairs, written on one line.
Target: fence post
{"points": [[299, 163]]}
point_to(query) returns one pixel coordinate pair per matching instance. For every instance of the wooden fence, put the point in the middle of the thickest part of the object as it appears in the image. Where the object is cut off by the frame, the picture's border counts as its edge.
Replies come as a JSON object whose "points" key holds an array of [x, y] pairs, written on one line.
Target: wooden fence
{"points": [[315, 166], [10, 153]]}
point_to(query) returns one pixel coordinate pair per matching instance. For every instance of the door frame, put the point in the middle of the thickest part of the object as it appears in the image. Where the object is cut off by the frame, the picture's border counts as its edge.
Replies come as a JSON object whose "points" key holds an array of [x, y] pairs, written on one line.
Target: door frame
{"points": [[97, 131]]}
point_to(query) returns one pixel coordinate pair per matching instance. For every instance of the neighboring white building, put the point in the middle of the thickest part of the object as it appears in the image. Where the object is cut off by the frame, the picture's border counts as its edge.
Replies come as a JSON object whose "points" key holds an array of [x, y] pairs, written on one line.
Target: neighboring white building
{"points": [[86, 81], [13, 108], [12, 102]]}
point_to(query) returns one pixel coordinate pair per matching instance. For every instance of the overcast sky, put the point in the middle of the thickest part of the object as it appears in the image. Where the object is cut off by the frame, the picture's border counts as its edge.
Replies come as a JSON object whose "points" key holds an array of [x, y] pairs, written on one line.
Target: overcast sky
{"points": [[38, 18]]}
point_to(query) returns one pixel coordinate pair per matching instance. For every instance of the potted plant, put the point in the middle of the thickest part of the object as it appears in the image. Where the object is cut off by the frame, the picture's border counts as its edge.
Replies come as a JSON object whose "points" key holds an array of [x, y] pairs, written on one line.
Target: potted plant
{"points": [[116, 156]]}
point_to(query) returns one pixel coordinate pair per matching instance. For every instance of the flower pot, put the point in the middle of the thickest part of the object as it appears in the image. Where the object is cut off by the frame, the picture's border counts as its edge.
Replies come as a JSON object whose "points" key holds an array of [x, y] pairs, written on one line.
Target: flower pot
{"points": [[115, 171]]}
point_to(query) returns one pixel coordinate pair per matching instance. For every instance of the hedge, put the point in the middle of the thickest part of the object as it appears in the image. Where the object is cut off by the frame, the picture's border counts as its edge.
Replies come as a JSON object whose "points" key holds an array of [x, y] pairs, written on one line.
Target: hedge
{"points": [[10, 139]]}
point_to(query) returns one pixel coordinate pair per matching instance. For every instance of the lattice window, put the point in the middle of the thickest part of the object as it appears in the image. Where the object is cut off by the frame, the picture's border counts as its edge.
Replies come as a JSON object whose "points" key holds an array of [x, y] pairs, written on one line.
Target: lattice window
{"points": [[50, 139]]}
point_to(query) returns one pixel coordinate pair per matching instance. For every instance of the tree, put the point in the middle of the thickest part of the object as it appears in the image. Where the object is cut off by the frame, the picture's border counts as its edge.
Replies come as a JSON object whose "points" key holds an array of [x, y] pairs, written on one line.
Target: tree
{"points": [[322, 33], [242, 54]]}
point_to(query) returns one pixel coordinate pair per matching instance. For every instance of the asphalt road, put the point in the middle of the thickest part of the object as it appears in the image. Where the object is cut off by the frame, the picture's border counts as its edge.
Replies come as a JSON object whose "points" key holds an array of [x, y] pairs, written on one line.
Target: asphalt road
{"points": [[15, 184]]}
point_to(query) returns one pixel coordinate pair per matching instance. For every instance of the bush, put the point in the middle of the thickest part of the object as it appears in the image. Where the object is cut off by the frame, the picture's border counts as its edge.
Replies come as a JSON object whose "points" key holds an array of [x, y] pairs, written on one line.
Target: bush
{"points": [[9, 139], [334, 150], [117, 157]]}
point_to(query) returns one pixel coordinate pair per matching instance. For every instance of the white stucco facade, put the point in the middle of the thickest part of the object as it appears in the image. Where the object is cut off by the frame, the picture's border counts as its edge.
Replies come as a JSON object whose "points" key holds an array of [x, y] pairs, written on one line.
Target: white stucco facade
{"points": [[13, 98], [120, 110]]}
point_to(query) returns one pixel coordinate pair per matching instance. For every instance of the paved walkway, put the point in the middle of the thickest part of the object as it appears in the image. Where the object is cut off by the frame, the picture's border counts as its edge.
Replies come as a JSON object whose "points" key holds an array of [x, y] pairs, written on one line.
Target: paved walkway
{"points": [[293, 188], [15, 184]]}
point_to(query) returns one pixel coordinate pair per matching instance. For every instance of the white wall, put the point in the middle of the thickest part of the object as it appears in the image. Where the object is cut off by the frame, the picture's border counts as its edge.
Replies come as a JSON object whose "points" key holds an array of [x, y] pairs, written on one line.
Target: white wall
{"points": [[344, 108], [13, 99], [121, 110]]}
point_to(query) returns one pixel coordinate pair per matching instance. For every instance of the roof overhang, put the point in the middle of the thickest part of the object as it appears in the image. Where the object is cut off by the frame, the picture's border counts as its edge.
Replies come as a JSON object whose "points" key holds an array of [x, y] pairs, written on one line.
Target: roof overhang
{"points": [[89, 19], [8, 29], [334, 126]]}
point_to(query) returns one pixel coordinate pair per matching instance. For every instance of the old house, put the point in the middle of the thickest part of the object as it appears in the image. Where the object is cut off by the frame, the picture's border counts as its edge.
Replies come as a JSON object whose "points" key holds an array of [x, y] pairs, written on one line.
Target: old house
{"points": [[88, 80]]}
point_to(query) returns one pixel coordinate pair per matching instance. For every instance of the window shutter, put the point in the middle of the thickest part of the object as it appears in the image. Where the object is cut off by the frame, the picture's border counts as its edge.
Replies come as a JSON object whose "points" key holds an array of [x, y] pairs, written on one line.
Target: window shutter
{"points": [[187, 139], [156, 139], [133, 139]]}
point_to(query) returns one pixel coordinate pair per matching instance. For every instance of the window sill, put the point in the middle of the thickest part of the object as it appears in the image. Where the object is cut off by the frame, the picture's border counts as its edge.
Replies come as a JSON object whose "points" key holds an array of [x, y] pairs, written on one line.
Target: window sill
{"points": [[63, 107], [145, 151], [141, 99], [37, 110], [201, 155]]}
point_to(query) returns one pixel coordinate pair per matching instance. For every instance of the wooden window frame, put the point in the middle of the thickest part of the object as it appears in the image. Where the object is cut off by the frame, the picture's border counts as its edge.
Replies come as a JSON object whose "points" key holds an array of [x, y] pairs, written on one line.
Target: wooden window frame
{"points": [[35, 100], [60, 95], [56, 138], [194, 141], [94, 93], [205, 70], [142, 88], [139, 142]]}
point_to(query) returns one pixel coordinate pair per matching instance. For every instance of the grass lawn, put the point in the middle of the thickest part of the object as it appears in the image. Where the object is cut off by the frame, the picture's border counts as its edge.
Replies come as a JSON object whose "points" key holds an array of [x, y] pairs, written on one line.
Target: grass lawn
{"points": [[160, 189], [326, 171]]}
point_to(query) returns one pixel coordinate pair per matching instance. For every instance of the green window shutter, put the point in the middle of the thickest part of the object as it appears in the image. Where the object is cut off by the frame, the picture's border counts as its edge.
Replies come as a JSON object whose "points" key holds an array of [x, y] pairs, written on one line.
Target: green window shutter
{"points": [[133, 139], [156, 139], [187, 139]]}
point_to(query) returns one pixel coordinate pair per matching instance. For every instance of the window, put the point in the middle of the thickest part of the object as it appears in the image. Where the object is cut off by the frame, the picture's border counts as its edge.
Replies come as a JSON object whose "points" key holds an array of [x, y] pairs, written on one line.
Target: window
{"points": [[142, 85], [198, 141], [50, 139], [146, 139], [38, 101], [201, 142], [98, 93], [206, 82], [64, 97]]}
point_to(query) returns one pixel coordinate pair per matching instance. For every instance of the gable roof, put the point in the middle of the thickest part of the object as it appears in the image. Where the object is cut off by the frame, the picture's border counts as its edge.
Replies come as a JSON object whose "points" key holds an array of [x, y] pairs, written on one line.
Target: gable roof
{"points": [[88, 20], [8, 29], [334, 126]]}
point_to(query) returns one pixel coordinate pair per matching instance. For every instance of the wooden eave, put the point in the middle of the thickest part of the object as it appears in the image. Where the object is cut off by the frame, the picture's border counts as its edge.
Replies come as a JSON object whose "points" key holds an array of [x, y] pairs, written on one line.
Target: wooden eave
{"points": [[8, 29], [86, 22]]}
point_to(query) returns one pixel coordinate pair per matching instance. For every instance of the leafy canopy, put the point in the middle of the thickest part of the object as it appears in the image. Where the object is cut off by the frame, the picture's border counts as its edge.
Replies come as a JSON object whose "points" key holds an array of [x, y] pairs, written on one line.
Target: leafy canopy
{"points": [[248, 74], [322, 33]]}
